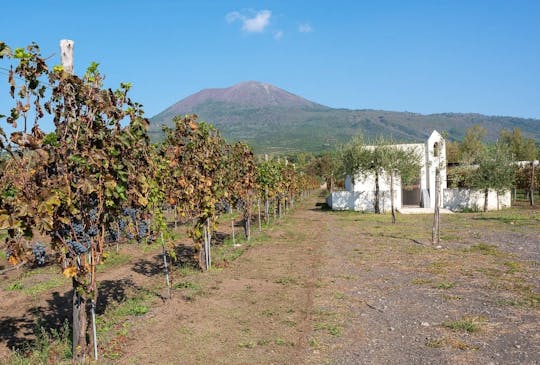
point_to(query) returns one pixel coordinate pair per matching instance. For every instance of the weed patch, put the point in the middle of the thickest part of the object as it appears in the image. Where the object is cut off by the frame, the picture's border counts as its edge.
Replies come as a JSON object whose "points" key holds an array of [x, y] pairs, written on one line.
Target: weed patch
{"points": [[467, 324], [449, 342], [49, 347], [484, 249], [331, 329], [445, 285], [287, 280]]}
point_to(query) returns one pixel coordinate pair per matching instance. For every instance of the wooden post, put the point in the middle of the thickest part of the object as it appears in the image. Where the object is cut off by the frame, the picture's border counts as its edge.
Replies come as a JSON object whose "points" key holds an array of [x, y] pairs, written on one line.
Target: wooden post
{"points": [[232, 230], [435, 232], [392, 197], [165, 265], [259, 209], [531, 192], [208, 242], [80, 319], [175, 217]]}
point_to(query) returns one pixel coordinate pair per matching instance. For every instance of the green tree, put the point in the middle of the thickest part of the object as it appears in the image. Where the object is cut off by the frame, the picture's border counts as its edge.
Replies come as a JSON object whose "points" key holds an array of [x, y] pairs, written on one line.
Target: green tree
{"points": [[402, 162], [327, 166], [494, 170], [472, 147], [523, 149], [383, 160], [357, 158]]}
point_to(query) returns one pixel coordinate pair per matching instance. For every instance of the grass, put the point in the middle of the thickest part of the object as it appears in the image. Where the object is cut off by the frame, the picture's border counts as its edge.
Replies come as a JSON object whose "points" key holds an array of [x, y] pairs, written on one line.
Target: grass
{"points": [[45, 286], [113, 259], [190, 289], [281, 342], [467, 324], [445, 285], [452, 297], [331, 329], [38, 288], [513, 267], [484, 249], [449, 342], [114, 322], [420, 281], [287, 280], [187, 285], [49, 347], [131, 307], [268, 313], [515, 217], [223, 254], [247, 344], [15, 286], [438, 267], [187, 270]]}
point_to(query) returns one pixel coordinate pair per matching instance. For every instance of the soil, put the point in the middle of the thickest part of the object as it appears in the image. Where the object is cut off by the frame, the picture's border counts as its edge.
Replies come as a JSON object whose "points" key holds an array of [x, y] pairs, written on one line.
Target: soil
{"points": [[322, 287]]}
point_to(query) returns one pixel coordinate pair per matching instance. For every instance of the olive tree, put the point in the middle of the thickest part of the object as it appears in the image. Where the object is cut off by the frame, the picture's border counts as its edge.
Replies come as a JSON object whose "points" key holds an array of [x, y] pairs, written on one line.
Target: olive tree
{"points": [[494, 171]]}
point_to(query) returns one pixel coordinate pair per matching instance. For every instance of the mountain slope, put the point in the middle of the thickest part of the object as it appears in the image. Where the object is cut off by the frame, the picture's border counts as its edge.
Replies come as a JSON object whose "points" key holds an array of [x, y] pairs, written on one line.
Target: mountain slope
{"points": [[274, 120]]}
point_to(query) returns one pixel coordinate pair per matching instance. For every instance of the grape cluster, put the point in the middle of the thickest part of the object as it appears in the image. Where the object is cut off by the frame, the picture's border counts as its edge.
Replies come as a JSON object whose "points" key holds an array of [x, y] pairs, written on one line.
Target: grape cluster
{"points": [[112, 234], [143, 229], [130, 212], [77, 246], [77, 234], [240, 204], [38, 250], [9, 252], [222, 206], [130, 219]]}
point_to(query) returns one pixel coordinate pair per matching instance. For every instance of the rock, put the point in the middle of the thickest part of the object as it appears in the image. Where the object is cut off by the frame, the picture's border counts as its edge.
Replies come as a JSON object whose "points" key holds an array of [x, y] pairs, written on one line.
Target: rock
{"points": [[424, 324]]}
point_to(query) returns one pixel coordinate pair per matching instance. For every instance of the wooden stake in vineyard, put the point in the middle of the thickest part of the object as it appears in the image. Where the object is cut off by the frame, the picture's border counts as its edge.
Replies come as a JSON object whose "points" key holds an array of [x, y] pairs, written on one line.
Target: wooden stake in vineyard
{"points": [[259, 211], [232, 230], [435, 231], [79, 302]]}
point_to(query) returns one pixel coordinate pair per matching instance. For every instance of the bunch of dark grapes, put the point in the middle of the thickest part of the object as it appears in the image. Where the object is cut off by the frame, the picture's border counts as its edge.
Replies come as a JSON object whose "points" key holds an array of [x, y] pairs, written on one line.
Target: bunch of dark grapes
{"points": [[92, 231], [77, 246], [240, 204], [222, 206], [9, 252], [112, 234], [39, 253], [142, 229], [130, 212]]}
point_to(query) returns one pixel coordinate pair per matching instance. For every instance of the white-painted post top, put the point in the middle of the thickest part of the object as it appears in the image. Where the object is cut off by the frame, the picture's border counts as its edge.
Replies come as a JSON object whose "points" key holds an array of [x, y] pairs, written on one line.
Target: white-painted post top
{"points": [[66, 48]]}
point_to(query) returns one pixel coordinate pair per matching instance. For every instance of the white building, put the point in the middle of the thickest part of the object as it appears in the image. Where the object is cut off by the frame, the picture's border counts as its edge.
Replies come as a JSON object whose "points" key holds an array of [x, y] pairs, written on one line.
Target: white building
{"points": [[359, 191]]}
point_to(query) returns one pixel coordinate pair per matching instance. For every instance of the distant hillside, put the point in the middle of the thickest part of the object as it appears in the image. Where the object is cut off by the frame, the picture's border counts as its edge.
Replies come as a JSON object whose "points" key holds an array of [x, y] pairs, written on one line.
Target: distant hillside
{"points": [[274, 120]]}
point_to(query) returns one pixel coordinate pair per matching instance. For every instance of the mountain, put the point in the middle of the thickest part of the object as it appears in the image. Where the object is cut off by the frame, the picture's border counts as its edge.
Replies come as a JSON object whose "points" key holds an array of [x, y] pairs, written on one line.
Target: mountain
{"points": [[274, 120]]}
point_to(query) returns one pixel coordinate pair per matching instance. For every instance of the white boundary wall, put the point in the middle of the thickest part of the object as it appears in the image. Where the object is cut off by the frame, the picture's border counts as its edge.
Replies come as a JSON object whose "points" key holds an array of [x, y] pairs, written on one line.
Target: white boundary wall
{"points": [[453, 199], [473, 199], [360, 201]]}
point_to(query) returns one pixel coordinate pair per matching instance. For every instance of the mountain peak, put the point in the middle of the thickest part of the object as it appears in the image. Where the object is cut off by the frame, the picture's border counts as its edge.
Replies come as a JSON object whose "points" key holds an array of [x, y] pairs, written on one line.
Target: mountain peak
{"points": [[251, 93]]}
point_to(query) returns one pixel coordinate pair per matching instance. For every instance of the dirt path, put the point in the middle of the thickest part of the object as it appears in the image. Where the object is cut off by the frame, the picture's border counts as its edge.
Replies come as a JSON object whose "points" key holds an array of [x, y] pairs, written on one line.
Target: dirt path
{"points": [[342, 288], [326, 287]]}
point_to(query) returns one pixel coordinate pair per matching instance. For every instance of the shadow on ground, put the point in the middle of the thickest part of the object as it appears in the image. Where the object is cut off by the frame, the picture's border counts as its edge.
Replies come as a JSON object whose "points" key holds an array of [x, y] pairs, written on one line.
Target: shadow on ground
{"points": [[19, 332]]}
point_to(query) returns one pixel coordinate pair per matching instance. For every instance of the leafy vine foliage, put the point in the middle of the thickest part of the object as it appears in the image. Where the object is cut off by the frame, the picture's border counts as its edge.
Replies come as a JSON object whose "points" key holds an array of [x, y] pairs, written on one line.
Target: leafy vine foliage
{"points": [[195, 153], [70, 184], [241, 181]]}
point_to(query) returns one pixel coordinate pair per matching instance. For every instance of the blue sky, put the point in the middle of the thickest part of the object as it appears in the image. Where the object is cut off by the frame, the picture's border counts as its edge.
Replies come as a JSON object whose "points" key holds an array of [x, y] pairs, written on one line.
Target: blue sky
{"points": [[419, 56]]}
